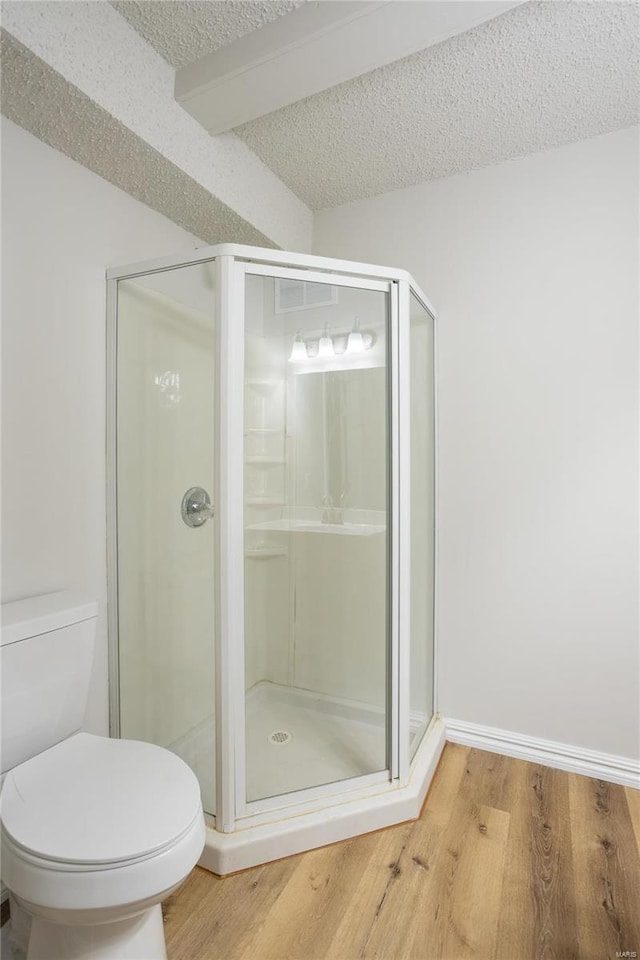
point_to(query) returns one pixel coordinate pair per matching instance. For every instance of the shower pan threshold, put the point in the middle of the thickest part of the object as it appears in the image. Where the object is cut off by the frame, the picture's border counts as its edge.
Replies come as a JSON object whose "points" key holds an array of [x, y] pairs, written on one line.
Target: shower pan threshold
{"points": [[297, 827]]}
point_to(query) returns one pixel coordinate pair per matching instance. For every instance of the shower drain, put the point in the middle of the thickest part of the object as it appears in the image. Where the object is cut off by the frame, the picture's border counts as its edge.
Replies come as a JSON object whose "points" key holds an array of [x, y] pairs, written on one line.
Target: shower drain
{"points": [[279, 736]]}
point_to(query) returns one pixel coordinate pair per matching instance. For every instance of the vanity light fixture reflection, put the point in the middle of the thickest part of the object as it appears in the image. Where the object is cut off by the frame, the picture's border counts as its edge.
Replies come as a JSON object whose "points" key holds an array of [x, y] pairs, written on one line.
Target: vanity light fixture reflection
{"points": [[325, 345], [298, 350], [355, 342], [350, 348]]}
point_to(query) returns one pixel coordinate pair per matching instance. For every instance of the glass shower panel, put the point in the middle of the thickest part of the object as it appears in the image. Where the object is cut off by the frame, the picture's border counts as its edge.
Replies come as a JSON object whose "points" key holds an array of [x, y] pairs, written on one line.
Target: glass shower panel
{"points": [[165, 445], [422, 519], [316, 507]]}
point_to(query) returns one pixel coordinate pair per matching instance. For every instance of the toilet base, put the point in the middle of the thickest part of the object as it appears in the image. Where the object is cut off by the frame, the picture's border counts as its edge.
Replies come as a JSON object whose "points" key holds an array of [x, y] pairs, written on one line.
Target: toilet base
{"points": [[136, 938]]}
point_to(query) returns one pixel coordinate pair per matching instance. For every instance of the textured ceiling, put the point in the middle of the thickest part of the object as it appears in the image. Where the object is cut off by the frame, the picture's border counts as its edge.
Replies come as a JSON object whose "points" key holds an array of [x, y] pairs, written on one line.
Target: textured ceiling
{"points": [[58, 113], [541, 75], [184, 30]]}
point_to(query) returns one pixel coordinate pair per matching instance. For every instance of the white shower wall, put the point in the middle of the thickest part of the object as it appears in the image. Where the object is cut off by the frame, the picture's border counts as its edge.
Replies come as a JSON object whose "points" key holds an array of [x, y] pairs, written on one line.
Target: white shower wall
{"points": [[327, 636]]}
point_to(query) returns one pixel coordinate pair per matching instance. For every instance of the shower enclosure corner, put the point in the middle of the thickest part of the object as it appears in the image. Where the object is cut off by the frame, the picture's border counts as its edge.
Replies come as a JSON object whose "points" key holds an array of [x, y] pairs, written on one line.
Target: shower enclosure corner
{"points": [[271, 528]]}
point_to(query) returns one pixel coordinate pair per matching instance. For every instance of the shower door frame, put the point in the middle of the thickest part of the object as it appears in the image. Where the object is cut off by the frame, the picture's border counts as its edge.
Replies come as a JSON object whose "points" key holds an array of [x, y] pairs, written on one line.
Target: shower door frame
{"points": [[232, 263], [232, 640]]}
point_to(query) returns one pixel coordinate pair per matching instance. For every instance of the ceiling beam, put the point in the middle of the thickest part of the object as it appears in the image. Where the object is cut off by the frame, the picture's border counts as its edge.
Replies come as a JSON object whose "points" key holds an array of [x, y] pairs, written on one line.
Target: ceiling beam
{"points": [[317, 46], [80, 78]]}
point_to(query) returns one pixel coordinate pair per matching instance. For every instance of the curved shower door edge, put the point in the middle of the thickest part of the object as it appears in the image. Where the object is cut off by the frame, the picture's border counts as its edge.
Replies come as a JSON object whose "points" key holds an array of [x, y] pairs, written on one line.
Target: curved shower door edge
{"points": [[228, 852]]}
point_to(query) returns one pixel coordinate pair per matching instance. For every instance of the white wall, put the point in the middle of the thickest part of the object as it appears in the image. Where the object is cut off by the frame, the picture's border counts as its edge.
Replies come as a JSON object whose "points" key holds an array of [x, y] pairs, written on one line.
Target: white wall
{"points": [[62, 226], [532, 265]]}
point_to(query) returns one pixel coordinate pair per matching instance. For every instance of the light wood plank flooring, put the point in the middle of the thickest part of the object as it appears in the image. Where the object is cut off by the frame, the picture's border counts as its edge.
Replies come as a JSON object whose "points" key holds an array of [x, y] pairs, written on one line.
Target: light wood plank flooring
{"points": [[509, 860]]}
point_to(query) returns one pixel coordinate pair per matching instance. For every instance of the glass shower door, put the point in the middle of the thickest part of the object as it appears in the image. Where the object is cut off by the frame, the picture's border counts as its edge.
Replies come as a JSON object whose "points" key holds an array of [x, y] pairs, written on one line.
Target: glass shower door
{"points": [[165, 447], [316, 526], [422, 519]]}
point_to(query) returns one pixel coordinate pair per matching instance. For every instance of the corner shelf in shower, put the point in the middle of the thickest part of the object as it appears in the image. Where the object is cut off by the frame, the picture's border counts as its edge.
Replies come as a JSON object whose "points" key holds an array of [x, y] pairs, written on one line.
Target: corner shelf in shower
{"points": [[317, 526], [264, 502], [265, 553], [265, 387], [260, 461]]}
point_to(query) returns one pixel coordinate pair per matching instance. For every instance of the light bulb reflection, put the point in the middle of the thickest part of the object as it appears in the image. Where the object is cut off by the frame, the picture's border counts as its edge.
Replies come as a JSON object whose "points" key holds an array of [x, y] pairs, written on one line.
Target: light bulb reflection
{"points": [[298, 351], [325, 346], [355, 343]]}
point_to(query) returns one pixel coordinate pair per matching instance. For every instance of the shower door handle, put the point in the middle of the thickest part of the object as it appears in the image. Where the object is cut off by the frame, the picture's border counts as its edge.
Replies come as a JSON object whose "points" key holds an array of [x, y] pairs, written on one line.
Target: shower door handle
{"points": [[196, 507]]}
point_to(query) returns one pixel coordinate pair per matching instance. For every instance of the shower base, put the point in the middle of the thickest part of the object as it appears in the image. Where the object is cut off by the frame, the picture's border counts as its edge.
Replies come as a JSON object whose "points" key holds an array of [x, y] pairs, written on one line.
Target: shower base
{"points": [[296, 740]]}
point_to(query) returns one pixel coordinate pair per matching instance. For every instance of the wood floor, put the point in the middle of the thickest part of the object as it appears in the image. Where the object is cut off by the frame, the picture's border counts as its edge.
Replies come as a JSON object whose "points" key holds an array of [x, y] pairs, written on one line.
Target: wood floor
{"points": [[509, 860]]}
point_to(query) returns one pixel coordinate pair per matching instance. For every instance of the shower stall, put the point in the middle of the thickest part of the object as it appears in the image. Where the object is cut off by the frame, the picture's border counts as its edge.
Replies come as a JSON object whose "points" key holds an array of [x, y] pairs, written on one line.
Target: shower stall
{"points": [[271, 447]]}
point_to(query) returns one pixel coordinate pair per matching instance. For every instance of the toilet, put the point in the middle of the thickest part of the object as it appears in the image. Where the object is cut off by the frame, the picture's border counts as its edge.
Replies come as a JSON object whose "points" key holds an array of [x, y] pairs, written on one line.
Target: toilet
{"points": [[95, 832]]}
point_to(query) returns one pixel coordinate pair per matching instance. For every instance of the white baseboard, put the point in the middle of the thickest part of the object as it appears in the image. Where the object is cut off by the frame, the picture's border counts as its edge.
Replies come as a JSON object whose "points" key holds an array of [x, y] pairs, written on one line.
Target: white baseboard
{"points": [[562, 756]]}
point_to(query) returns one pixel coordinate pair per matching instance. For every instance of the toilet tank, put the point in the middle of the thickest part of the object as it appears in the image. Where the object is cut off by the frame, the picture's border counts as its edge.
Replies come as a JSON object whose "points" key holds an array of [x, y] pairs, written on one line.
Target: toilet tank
{"points": [[46, 660]]}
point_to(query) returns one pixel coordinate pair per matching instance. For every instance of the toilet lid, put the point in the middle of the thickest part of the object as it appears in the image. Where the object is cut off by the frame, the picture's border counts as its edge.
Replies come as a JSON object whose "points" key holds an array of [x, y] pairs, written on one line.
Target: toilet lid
{"points": [[94, 800]]}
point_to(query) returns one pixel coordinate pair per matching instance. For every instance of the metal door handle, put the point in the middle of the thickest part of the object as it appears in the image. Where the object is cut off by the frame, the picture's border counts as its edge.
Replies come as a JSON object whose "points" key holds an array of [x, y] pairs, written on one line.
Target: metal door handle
{"points": [[196, 507]]}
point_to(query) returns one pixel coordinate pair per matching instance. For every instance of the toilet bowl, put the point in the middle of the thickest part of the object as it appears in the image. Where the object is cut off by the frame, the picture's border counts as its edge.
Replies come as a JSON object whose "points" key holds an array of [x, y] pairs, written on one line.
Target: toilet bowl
{"points": [[95, 834]]}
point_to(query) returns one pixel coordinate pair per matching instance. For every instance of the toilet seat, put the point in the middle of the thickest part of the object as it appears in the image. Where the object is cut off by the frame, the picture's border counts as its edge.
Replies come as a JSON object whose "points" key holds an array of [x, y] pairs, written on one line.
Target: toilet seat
{"points": [[93, 800], [46, 888], [94, 823]]}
